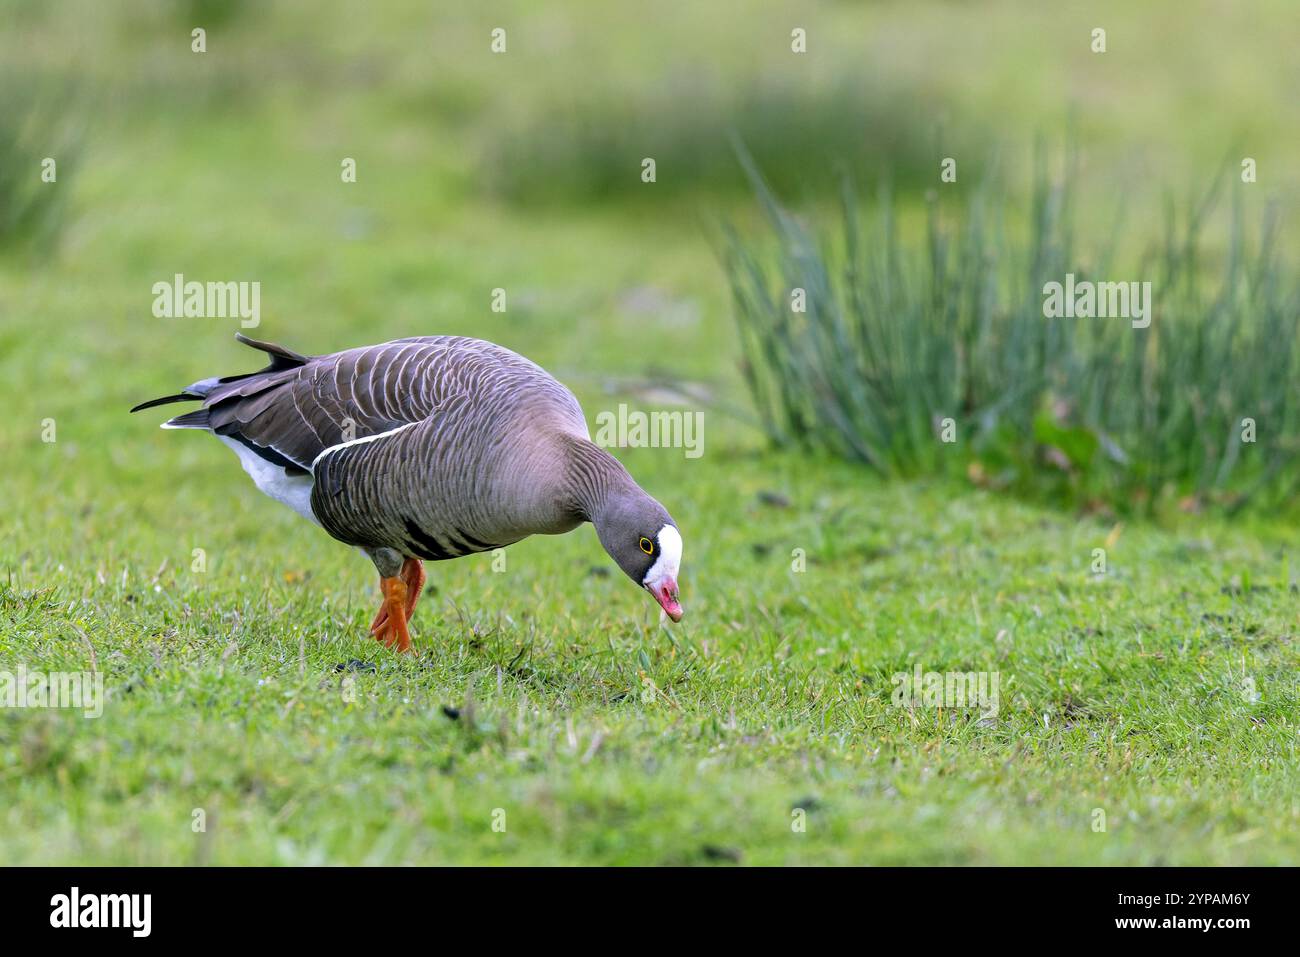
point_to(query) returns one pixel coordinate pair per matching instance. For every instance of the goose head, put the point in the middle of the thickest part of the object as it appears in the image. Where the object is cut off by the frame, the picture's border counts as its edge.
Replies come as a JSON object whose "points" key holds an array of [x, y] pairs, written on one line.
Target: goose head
{"points": [[641, 537]]}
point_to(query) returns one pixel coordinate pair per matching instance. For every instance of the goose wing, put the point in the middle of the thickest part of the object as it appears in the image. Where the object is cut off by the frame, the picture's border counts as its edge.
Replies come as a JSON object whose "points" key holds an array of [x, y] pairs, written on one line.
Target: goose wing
{"points": [[298, 406]]}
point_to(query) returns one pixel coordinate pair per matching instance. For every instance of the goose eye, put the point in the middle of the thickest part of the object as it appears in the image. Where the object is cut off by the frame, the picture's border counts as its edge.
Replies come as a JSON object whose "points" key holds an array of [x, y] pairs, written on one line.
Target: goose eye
{"points": [[647, 546]]}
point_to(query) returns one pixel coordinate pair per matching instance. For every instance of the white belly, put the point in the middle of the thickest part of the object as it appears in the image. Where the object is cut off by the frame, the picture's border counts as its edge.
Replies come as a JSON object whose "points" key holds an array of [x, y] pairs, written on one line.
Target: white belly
{"points": [[270, 479]]}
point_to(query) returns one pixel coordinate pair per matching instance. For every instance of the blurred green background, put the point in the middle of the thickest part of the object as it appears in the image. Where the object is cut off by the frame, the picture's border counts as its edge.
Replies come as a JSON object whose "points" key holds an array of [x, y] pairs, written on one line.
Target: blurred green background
{"points": [[521, 171]]}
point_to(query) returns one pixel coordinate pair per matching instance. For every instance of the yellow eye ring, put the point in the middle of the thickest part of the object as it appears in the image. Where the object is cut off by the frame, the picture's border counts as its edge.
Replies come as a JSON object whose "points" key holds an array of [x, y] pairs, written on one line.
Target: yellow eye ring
{"points": [[647, 546]]}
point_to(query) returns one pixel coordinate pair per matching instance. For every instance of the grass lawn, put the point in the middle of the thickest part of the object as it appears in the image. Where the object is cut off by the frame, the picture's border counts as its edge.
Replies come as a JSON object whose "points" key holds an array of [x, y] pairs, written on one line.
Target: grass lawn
{"points": [[1147, 714], [604, 737]]}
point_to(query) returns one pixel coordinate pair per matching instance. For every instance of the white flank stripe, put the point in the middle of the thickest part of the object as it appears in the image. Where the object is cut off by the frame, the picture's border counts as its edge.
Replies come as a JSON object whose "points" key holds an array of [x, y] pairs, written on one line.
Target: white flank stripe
{"points": [[360, 441]]}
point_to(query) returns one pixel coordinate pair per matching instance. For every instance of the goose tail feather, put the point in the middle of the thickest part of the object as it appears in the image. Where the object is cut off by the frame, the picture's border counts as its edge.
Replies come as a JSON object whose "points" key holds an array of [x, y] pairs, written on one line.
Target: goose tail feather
{"points": [[198, 419], [281, 358], [167, 399]]}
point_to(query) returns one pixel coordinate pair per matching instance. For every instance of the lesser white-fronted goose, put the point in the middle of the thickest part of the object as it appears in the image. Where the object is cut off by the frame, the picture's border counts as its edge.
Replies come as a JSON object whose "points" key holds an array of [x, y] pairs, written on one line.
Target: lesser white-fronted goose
{"points": [[431, 448]]}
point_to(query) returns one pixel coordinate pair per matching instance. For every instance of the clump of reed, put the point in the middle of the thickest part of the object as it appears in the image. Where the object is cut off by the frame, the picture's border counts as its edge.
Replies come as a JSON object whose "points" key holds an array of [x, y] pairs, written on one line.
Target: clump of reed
{"points": [[905, 342]]}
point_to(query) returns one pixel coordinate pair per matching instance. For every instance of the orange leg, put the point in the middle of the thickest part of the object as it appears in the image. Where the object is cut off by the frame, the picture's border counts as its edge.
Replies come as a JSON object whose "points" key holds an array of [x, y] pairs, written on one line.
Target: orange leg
{"points": [[390, 624], [413, 578], [413, 575]]}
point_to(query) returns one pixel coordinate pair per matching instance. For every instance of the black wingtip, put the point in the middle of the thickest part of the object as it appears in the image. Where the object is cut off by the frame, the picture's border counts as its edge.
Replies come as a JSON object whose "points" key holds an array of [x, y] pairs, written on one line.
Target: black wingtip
{"points": [[167, 399]]}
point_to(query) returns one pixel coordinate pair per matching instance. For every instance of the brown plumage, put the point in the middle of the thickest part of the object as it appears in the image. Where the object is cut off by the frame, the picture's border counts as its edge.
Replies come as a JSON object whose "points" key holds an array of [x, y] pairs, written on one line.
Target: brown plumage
{"points": [[430, 448]]}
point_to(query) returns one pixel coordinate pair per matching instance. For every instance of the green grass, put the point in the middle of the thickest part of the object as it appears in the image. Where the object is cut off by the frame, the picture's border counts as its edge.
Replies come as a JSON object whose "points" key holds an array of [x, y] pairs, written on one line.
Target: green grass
{"points": [[1123, 692], [34, 131], [584, 152]]}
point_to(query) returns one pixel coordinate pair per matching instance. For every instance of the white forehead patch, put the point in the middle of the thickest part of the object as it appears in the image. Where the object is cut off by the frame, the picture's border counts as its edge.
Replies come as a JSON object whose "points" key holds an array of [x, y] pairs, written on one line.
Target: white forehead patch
{"points": [[670, 555]]}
